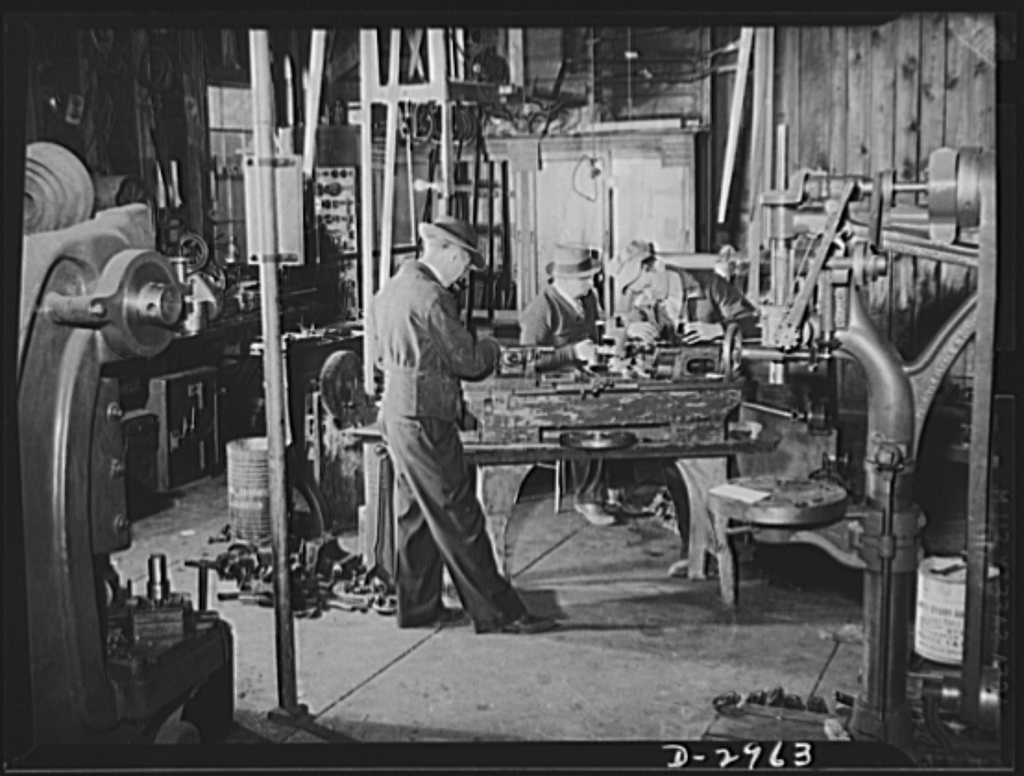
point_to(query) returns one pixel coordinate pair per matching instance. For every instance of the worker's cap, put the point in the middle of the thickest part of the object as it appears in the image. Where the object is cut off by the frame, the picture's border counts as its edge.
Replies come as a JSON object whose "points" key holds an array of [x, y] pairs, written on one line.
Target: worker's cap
{"points": [[626, 268], [456, 231], [574, 261]]}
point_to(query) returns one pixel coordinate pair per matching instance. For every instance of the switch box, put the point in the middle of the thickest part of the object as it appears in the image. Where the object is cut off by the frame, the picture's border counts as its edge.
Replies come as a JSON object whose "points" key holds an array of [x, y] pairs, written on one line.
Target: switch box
{"points": [[335, 208]]}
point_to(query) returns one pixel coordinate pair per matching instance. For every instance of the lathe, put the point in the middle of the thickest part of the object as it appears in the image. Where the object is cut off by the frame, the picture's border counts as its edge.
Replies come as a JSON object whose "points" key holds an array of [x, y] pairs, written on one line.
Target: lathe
{"points": [[106, 665]]}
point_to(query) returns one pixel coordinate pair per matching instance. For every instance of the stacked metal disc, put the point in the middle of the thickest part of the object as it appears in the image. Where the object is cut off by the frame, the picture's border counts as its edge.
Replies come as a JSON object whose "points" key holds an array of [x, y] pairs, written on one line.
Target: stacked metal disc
{"points": [[58, 189]]}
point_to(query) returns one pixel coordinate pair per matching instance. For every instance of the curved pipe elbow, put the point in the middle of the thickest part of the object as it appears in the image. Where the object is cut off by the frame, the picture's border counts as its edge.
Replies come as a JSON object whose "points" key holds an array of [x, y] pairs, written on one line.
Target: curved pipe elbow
{"points": [[890, 398]]}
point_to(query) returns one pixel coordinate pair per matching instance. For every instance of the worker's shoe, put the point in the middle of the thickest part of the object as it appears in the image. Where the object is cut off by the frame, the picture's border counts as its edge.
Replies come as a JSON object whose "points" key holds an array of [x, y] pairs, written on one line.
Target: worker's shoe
{"points": [[595, 514], [445, 617], [526, 625]]}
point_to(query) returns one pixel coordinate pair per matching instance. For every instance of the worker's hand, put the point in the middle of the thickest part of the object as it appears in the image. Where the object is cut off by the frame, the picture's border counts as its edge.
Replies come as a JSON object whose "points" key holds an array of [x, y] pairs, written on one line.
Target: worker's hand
{"points": [[585, 351], [642, 330], [701, 332]]}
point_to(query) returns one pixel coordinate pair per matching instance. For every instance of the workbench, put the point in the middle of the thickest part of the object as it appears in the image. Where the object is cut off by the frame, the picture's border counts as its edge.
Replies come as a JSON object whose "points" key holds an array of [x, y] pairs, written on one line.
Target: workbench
{"points": [[501, 468]]}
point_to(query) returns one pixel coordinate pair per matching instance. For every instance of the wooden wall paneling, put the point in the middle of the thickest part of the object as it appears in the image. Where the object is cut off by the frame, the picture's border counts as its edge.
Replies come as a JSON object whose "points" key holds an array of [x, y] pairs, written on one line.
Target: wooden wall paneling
{"points": [[881, 139], [814, 98], [970, 111], [851, 390], [838, 100], [932, 121], [959, 132], [907, 125], [858, 94]]}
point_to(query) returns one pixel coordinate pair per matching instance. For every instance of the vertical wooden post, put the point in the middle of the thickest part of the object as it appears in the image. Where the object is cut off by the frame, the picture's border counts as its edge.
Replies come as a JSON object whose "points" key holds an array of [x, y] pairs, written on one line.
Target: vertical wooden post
{"points": [[369, 82], [387, 220]]}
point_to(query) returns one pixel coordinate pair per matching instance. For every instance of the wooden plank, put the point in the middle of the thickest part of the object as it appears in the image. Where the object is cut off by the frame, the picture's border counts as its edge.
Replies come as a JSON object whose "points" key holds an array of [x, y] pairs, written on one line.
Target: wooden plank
{"points": [[759, 166], [908, 89], [735, 118], [815, 80], [932, 111], [961, 62], [764, 723], [858, 95], [838, 101], [907, 31], [881, 138]]}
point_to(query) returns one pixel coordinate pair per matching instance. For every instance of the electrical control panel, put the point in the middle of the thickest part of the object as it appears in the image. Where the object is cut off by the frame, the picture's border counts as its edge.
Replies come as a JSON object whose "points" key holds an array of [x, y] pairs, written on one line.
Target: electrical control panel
{"points": [[335, 209]]}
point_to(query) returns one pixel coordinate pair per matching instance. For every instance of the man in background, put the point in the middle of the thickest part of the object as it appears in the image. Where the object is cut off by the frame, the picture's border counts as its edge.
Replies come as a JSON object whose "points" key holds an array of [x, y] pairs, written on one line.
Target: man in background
{"points": [[565, 316]]}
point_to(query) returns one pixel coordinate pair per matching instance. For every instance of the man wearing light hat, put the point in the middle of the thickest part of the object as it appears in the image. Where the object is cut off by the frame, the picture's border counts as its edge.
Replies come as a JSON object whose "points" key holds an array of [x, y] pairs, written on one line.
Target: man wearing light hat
{"points": [[564, 316], [669, 303], [419, 342]]}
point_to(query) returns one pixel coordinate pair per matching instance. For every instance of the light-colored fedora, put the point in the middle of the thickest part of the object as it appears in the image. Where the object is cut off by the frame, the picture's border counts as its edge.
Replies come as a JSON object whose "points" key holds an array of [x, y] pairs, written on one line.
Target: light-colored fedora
{"points": [[627, 267], [574, 261], [457, 231]]}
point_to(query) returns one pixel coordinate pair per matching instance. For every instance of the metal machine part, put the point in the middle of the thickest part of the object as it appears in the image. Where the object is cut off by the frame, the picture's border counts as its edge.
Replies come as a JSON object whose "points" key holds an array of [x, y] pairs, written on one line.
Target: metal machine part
{"points": [[598, 440], [790, 503], [91, 294], [858, 219]]}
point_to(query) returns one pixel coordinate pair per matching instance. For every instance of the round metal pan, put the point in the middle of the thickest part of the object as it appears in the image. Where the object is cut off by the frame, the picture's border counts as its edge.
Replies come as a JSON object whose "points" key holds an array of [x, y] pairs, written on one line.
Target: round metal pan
{"points": [[597, 440]]}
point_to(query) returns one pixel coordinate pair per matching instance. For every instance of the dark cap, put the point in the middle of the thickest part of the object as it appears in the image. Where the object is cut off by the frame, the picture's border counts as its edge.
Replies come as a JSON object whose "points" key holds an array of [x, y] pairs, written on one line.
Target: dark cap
{"points": [[457, 231]]}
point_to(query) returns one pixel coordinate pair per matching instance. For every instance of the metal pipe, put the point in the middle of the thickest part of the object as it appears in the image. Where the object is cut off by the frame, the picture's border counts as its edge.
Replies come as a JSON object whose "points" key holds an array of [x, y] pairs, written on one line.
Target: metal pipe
{"points": [[368, 69], [889, 543], [263, 137]]}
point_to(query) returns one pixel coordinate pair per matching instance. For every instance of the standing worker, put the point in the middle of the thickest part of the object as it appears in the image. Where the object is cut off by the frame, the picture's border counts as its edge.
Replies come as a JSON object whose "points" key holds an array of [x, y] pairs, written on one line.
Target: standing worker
{"points": [[420, 343], [564, 316]]}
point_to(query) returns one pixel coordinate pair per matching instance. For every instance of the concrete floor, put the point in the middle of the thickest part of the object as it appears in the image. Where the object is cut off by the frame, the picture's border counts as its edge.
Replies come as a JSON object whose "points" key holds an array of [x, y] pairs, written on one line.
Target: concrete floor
{"points": [[639, 655]]}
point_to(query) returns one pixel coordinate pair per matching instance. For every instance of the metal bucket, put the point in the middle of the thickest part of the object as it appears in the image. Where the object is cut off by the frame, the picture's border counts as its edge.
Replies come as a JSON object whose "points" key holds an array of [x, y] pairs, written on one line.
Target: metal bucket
{"points": [[248, 490], [941, 596]]}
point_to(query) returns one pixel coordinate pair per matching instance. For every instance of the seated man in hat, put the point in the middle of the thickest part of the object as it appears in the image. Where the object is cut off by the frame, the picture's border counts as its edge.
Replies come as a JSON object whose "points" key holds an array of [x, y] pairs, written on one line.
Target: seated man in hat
{"points": [[665, 302], [564, 316], [419, 342]]}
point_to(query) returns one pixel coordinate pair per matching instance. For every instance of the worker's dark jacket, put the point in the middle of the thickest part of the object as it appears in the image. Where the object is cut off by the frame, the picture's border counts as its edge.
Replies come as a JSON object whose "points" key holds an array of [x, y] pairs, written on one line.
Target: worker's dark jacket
{"points": [[419, 341], [552, 320], [709, 298]]}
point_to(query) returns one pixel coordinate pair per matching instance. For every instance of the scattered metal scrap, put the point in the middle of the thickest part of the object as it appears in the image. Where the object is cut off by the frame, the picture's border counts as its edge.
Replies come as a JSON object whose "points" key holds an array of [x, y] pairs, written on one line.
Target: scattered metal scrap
{"points": [[323, 576]]}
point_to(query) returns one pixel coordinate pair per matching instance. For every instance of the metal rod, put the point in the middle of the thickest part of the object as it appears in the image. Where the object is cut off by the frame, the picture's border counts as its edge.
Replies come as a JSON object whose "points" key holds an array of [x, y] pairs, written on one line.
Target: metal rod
{"points": [[266, 204], [369, 70], [735, 118], [980, 519]]}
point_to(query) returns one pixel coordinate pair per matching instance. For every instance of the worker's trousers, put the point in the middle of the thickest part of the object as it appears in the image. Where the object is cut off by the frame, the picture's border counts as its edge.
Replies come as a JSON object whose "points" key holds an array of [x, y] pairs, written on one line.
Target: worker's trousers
{"points": [[439, 520]]}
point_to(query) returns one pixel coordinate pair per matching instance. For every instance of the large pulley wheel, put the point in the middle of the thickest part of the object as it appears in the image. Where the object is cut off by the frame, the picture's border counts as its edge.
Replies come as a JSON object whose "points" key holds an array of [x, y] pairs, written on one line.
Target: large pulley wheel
{"points": [[341, 378], [142, 302], [732, 351]]}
